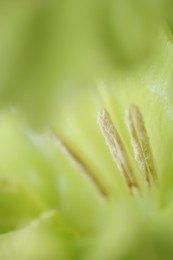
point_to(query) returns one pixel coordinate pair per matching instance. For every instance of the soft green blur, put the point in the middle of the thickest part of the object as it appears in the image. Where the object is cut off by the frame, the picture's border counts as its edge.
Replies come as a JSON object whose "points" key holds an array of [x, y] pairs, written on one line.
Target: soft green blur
{"points": [[46, 43], [61, 61]]}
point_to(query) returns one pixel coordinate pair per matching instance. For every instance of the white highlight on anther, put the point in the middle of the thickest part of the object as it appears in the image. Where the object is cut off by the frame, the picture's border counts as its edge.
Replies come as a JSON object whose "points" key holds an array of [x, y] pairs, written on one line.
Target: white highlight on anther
{"points": [[140, 142], [117, 148]]}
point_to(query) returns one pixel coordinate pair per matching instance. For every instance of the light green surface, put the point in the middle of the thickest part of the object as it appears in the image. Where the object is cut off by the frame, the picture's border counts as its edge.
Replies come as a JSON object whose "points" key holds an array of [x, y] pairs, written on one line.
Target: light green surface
{"points": [[61, 62]]}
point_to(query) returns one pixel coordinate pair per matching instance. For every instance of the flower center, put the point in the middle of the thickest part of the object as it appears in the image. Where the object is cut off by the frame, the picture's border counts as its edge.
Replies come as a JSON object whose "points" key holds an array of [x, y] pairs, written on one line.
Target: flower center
{"points": [[120, 154]]}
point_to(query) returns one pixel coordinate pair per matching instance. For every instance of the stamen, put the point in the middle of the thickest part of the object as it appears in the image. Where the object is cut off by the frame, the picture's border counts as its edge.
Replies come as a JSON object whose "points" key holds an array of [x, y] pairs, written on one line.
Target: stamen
{"points": [[80, 164], [140, 143], [117, 148]]}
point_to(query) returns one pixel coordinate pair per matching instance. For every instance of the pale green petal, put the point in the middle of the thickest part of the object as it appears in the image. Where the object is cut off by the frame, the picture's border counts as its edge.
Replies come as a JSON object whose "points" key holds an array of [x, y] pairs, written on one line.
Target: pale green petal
{"points": [[43, 238], [17, 205], [23, 159]]}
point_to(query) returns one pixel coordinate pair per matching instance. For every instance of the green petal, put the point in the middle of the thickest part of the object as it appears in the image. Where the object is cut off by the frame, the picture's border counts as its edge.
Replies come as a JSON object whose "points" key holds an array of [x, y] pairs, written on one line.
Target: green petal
{"points": [[17, 206], [24, 159], [43, 238]]}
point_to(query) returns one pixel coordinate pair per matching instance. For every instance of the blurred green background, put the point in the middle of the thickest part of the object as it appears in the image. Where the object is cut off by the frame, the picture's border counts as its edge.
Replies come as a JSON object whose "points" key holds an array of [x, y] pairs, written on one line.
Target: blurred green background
{"points": [[60, 61], [45, 45]]}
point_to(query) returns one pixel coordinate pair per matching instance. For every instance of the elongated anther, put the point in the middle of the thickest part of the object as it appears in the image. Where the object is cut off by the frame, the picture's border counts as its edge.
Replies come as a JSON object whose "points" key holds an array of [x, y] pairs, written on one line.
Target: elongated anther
{"points": [[79, 164], [140, 143], [117, 148]]}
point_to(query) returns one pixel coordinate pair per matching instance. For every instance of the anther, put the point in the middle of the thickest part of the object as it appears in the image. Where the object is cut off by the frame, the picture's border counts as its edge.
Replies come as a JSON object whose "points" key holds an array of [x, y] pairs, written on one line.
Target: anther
{"points": [[140, 143], [117, 149], [79, 164]]}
